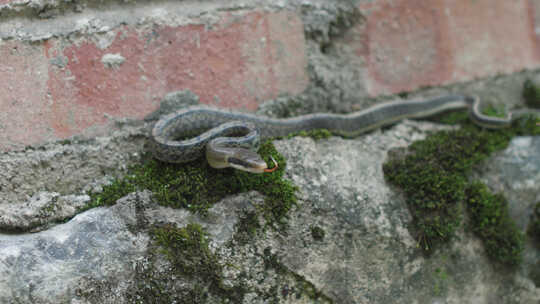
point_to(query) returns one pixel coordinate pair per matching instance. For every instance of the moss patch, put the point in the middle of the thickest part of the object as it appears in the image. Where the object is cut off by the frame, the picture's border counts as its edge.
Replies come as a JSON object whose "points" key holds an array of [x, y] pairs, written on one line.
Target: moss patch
{"points": [[531, 94], [196, 186], [317, 233], [192, 263], [534, 274], [187, 249], [247, 226], [492, 223], [534, 225], [440, 278], [302, 287], [316, 134], [494, 111], [434, 173], [201, 273], [452, 118]]}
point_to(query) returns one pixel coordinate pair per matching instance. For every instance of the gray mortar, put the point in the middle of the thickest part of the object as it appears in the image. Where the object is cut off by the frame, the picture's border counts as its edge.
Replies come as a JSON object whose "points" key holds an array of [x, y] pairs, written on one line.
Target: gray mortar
{"points": [[112, 60], [38, 185], [64, 18]]}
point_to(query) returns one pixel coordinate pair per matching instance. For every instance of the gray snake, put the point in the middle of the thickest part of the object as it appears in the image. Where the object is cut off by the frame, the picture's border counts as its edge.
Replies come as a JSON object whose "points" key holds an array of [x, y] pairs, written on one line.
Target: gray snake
{"points": [[229, 138]]}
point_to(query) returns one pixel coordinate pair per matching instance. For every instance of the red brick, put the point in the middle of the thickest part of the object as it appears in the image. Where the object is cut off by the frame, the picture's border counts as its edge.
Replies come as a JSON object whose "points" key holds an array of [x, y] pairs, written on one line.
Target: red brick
{"points": [[490, 37], [24, 102], [406, 45], [238, 63], [413, 43], [61, 88], [534, 25]]}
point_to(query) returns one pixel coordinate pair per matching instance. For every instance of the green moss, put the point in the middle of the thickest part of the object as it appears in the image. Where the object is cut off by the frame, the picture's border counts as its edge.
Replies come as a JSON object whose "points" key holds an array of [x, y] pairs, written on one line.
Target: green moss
{"points": [[434, 175], [531, 94], [534, 274], [280, 194], [303, 286], [117, 189], [247, 226], [452, 118], [316, 134], [317, 233], [403, 94], [196, 186], [492, 223], [494, 111], [534, 225], [440, 281], [187, 250]]}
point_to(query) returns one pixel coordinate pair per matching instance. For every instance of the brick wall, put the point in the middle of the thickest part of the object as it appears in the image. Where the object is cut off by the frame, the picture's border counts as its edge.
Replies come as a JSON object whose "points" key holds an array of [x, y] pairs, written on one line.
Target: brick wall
{"points": [[72, 67]]}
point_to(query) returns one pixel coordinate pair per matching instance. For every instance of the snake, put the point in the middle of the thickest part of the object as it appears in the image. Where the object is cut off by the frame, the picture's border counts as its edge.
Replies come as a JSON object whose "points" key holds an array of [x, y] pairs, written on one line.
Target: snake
{"points": [[230, 139]]}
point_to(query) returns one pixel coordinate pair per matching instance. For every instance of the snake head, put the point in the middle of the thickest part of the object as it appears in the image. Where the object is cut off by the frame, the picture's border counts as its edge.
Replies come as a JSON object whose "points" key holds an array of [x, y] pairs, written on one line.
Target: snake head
{"points": [[250, 161]]}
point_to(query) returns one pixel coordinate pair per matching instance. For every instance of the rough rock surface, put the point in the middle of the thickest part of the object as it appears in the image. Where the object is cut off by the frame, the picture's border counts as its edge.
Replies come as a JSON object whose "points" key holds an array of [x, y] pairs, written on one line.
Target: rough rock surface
{"points": [[49, 266], [366, 255], [46, 184]]}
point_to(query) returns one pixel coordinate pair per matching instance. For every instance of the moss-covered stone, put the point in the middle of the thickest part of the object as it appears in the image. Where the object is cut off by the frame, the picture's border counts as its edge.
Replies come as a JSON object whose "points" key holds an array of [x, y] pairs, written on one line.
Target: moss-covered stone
{"points": [[302, 285], [196, 186], [187, 249], [188, 252], [452, 118], [434, 174], [534, 274], [316, 134], [531, 93], [436, 170], [534, 225], [117, 189], [491, 221], [494, 111], [317, 233], [247, 226], [280, 194]]}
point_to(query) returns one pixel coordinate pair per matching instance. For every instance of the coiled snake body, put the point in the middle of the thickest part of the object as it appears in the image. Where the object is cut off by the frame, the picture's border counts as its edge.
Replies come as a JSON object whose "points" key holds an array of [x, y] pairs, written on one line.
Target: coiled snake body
{"points": [[183, 136]]}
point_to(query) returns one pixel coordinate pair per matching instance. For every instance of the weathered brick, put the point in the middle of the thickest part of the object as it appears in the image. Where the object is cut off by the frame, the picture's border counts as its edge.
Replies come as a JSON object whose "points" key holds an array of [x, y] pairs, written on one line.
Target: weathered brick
{"points": [[406, 45], [25, 102], [534, 25], [490, 37], [413, 43], [237, 63]]}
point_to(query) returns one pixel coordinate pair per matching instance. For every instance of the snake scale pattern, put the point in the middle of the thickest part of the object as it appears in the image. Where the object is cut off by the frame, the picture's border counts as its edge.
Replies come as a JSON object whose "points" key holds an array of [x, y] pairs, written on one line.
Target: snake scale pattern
{"points": [[184, 135]]}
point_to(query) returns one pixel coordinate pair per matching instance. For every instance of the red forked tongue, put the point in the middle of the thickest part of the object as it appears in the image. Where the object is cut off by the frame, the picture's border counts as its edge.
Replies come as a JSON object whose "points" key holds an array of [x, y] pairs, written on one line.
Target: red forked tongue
{"points": [[275, 166]]}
